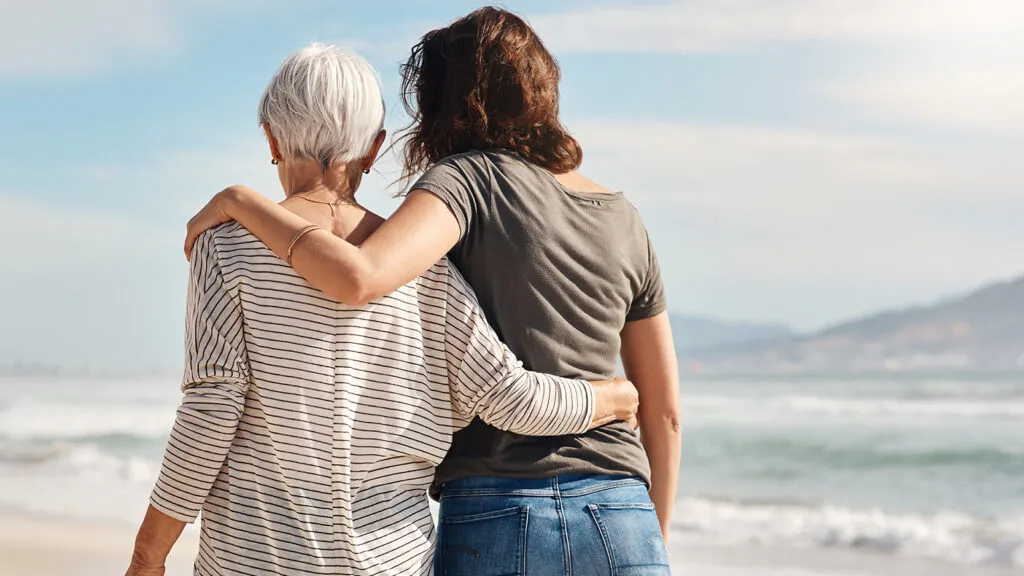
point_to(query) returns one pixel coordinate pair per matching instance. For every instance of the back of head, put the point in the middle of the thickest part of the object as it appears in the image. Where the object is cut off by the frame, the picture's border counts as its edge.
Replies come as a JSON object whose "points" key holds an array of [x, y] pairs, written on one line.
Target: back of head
{"points": [[485, 81], [324, 104]]}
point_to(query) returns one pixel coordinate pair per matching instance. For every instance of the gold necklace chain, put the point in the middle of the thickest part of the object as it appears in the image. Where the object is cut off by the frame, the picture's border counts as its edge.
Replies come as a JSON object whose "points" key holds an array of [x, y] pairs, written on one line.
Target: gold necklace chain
{"points": [[331, 204]]}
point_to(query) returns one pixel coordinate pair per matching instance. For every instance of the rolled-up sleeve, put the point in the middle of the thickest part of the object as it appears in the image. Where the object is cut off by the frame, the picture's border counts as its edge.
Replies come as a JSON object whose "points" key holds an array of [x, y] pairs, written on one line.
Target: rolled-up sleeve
{"points": [[487, 381], [215, 383]]}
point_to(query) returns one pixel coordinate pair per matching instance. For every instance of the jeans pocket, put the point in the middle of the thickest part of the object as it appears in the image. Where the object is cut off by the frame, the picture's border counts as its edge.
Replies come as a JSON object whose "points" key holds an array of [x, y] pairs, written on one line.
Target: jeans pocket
{"points": [[487, 544], [632, 538]]}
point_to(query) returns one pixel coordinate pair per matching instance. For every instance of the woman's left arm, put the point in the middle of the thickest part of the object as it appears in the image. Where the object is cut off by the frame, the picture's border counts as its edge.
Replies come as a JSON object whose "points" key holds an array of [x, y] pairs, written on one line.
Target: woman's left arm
{"points": [[153, 543], [649, 357], [416, 236]]}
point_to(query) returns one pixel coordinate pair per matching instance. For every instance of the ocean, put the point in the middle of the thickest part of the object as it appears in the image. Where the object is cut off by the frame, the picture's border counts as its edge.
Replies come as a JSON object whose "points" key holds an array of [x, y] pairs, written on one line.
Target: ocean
{"points": [[910, 466]]}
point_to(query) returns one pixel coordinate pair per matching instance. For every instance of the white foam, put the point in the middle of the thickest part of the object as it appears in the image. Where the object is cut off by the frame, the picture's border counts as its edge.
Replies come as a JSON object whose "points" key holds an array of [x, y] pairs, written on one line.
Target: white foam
{"points": [[81, 481], [946, 536]]}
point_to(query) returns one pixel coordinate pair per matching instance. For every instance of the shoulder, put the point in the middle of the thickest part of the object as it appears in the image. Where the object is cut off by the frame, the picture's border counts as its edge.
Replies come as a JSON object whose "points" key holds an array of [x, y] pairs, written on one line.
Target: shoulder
{"points": [[628, 214], [230, 233], [235, 255], [437, 279], [466, 166], [470, 157], [444, 281], [231, 238], [633, 232]]}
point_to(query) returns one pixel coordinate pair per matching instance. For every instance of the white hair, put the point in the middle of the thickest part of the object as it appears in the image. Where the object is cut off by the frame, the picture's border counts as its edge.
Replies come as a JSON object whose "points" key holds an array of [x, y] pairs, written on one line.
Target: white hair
{"points": [[324, 104]]}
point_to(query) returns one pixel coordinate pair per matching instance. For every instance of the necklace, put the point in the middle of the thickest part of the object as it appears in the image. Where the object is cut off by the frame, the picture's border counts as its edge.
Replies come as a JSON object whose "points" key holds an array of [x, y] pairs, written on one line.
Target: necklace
{"points": [[331, 204]]}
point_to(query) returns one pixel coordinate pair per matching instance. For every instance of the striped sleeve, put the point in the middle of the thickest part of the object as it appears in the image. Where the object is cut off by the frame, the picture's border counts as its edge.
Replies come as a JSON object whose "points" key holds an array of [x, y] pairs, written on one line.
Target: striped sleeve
{"points": [[215, 383], [487, 381]]}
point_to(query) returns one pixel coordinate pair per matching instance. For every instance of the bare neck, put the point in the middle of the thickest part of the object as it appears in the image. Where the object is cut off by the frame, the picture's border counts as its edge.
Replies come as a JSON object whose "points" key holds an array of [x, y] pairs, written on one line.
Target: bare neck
{"points": [[308, 178], [578, 183], [327, 198]]}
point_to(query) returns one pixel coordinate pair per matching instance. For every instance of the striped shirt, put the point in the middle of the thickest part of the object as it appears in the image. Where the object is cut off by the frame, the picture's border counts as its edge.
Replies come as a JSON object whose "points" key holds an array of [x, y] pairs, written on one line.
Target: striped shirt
{"points": [[309, 430]]}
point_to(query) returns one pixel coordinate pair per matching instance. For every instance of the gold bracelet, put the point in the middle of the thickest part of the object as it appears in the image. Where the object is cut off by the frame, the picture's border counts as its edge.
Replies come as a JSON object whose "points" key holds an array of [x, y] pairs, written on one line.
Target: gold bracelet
{"points": [[295, 238]]}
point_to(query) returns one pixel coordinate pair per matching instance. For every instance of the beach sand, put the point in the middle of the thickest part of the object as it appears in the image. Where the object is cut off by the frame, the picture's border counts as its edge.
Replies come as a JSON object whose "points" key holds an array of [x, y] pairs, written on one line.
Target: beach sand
{"points": [[58, 547], [31, 546]]}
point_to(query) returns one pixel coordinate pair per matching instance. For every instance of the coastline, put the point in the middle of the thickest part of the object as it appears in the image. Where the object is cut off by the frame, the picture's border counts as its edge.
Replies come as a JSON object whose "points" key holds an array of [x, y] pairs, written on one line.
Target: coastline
{"points": [[54, 546]]}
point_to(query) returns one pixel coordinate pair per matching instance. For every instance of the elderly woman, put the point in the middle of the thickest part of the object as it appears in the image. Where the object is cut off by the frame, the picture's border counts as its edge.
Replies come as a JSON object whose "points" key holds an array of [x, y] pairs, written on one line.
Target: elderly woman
{"points": [[564, 270], [309, 429]]}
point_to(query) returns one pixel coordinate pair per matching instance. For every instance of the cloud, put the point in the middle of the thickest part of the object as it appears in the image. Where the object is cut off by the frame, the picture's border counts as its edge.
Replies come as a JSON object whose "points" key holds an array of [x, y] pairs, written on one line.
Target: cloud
{"points": [[980, 91], [756, 222], [948, 64], [58, 38], [694, 26]]}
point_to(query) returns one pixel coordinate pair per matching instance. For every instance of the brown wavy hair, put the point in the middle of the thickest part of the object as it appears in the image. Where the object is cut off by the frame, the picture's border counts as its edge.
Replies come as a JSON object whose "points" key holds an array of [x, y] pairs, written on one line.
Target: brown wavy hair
{"points": [[485, 81]]}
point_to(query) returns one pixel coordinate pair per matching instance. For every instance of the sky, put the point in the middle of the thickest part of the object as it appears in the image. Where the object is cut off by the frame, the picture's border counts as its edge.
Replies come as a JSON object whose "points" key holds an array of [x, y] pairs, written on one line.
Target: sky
{"points": [[800, 161]]}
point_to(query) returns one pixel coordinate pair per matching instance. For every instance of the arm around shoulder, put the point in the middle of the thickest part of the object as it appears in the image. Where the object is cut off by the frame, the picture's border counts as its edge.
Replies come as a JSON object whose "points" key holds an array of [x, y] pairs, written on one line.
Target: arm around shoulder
{"points": [[416, 236]]}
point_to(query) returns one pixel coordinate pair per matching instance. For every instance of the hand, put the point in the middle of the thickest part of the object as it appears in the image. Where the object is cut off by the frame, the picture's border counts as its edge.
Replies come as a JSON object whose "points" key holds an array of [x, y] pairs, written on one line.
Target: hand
{"points": [[617, 399], [214, 213]]}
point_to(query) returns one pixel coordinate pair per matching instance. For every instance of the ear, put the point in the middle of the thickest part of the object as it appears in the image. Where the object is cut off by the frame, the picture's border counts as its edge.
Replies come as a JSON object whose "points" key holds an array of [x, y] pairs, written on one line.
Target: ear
{"points": [[372, 156], [275, 147]]}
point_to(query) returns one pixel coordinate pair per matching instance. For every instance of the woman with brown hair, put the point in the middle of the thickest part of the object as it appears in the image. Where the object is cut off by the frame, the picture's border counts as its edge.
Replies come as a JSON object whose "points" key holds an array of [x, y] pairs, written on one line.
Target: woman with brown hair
{"points": [[565, 272]]}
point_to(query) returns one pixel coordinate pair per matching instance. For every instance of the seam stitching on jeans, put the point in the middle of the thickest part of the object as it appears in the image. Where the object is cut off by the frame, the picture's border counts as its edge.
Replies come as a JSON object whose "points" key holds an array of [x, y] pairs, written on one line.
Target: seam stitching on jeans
{"points": [[566, 549], [494, 514], [595, 514], [608, 485], [538, 493], [525, 530]]}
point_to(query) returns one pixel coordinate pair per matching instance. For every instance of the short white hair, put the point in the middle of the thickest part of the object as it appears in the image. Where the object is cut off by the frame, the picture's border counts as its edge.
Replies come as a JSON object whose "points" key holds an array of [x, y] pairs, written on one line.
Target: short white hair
{"points": [[324, 104]]}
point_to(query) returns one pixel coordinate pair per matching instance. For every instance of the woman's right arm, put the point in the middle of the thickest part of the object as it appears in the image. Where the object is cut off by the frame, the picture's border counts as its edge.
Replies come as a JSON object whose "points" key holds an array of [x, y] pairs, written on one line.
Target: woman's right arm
{"points": [[417, 235]]}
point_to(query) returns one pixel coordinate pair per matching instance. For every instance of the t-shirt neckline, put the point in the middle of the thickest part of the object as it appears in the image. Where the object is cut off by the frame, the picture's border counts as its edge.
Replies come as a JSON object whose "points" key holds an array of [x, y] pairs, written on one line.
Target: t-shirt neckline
{"points": [[600, 197]]}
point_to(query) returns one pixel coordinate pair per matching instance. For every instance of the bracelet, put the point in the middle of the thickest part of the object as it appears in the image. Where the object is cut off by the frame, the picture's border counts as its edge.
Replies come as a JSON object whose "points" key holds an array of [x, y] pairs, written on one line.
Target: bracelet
{"points": [[295, 238]]}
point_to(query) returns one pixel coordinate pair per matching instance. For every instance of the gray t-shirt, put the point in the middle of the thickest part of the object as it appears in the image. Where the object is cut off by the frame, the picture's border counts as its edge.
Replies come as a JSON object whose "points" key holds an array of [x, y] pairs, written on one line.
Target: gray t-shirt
{"points": [[558, 273]]}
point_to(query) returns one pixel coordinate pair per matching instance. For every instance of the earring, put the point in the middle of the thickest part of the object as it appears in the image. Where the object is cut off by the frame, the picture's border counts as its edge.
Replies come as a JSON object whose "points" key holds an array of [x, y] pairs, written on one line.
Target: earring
{"points": [[273, 161], [366, 170]]}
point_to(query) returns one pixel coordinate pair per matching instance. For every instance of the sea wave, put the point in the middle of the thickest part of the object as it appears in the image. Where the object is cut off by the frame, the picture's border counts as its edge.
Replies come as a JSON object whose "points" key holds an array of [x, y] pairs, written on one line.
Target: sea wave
{"points": [[75, 461], [949, 536], [853, 407], [865, 455], [75, 480]]}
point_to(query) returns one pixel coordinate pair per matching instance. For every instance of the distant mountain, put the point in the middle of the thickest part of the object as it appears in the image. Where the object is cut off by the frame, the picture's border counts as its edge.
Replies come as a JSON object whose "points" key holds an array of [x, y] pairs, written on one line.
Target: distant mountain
{"points": [[983, 330], [693, 333]]}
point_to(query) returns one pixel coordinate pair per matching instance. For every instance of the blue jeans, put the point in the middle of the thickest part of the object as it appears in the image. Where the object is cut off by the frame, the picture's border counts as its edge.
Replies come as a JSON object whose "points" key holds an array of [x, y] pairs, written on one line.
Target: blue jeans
{"points": [[568, 525]]}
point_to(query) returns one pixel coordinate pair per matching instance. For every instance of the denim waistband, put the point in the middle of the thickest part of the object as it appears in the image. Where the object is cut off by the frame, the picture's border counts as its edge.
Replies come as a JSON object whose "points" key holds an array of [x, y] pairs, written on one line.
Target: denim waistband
{"points": [[566, 485]]}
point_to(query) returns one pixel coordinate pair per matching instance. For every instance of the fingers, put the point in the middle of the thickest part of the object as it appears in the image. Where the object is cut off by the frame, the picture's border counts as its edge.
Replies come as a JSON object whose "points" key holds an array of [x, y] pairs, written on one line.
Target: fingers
{"points": [[634, 401], [190, 239], [617, 400]]}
